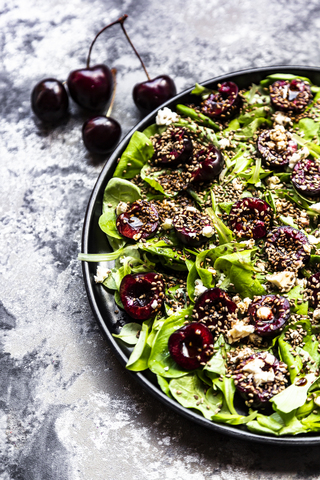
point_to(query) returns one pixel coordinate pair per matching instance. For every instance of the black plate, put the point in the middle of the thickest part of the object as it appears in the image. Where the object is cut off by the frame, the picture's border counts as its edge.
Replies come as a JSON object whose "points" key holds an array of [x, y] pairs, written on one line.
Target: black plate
{"points": [[94, 241]]}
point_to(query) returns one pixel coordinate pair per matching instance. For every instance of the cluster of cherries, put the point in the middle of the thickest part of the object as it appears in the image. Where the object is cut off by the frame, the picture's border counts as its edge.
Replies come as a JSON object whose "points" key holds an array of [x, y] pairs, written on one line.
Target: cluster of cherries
{"points": [[91, 88], [192, 345]]}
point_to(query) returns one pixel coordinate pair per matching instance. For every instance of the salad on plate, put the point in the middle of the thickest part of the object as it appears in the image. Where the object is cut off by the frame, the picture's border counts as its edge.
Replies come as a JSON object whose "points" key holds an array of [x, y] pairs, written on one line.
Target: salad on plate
{"points": [[212, 214]]}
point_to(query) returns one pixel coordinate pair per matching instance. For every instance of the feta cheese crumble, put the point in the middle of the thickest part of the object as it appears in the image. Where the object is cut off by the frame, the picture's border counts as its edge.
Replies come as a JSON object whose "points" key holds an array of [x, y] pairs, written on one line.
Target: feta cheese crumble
{"points": [[242, 305], [165, 116], [313, 240], [255, 369], [122, 207], [281, 119], [154, 304], [207, 231], [102, 273], [315, 207], [167, 224], [273, 182], [237, 185], [199, 288], [297, 156], [316, 314], [239, 330], [191, 209], [249, 243], [283, 280], [223, 143]]}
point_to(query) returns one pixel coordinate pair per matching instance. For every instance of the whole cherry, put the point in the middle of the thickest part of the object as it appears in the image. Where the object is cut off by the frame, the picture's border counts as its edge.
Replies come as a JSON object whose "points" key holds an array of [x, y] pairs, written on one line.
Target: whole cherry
{"points": [[152, 93], [49, 100], [91, 87], [101, 134]]}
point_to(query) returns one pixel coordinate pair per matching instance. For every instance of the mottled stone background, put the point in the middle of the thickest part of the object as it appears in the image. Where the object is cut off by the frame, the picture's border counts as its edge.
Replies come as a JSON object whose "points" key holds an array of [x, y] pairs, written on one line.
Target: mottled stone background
{"points": [[68, 410]]}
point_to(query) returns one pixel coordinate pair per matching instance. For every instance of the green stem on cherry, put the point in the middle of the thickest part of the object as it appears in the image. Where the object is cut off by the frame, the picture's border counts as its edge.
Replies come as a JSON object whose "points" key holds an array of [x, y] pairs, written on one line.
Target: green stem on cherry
{"points": [[120, 20], [114, 74], [135, 51]]}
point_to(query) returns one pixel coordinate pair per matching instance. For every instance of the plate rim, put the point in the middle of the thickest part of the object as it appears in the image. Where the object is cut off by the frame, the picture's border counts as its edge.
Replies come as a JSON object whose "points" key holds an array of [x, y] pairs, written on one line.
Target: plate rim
{"points": [[156, 392]]}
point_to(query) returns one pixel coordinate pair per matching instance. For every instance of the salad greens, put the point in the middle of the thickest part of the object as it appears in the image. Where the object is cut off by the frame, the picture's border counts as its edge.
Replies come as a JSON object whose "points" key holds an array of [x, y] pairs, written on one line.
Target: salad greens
{"points": [[237, 266]]}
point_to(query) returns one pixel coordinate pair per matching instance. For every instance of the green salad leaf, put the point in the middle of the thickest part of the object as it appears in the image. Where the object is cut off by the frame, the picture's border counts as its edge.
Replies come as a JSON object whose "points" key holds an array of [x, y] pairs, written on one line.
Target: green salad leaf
{"points": [[137, 153]]}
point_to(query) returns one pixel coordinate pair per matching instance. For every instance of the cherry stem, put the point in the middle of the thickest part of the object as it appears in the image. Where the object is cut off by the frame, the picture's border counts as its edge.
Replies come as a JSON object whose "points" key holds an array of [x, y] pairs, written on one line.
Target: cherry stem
{"points": [[120, 20], [114, 74], [135, 51]]}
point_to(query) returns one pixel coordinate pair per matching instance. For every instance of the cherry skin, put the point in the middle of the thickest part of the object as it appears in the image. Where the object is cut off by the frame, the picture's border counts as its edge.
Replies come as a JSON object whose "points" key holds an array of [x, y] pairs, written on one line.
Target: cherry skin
{"points": [[101, 134], [151, 94], [91, 87], [49, 100]]}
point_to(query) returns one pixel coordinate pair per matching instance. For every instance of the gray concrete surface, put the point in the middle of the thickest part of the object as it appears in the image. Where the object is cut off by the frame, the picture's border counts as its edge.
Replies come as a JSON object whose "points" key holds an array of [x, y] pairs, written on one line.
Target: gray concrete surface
{"points": [[68, 410]]}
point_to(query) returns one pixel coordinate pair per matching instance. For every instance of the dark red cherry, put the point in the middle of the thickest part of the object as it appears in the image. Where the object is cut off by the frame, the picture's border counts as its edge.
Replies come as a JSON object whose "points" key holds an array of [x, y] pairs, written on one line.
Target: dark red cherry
{"points": [[172, 147], [269, 314], [192, 227], [259, 389], [290, 96], [287, 248], [150, 94], [141, 220], [313, 289], [306, 177], [276, 155], [91, 87], [142, 294], [49, 100], [209, 164], [191, 346], [250, 217], [101, 134], [224, 103], [213, 306]]}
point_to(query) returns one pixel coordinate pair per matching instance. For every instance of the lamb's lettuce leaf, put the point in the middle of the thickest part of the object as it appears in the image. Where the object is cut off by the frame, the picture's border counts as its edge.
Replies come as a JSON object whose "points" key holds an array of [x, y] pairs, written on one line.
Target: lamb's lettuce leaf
{"points": [[296, 294], [293, 396], [202, 91], [138, 360], [282, 76], [205, 135], [107, 223], [197, 116], [310, 129], [249, 130], [164, 385], [189, 391], [129, 333], [224, 233], [160, 360], [137, 153], [119, 190], [154, 129]]}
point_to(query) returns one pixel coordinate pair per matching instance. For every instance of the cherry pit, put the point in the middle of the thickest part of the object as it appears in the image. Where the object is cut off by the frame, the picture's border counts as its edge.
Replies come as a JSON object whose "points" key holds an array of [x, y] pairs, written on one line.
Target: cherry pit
{"points": [[92, 88]]}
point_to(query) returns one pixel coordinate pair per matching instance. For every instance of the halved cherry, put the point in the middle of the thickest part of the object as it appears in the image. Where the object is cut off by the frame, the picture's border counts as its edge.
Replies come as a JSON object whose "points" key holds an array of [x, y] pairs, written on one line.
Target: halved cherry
{"points": [[269, 314], [209, 164], [290, 96], [250, 217], [276, 147], [313, 289], [224, 103], [306, 177], [172, 147], [142, 294], [259, 377], [287, 248], [141, 220], [191, 345], [192, 227], [213, 306]]}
